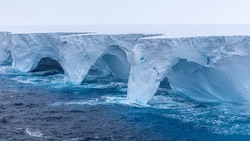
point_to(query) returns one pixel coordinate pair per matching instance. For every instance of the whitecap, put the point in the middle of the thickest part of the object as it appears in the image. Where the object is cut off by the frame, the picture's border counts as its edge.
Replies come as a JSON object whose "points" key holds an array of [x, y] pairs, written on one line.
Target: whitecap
{"points": [[34, 133]]}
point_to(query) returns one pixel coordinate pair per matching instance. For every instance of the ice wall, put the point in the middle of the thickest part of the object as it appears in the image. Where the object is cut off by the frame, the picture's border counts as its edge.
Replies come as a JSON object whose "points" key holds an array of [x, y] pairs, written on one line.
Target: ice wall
{"points": [[210, 68], [79, 52], [156, 58], [28, 49], [5, 43]]}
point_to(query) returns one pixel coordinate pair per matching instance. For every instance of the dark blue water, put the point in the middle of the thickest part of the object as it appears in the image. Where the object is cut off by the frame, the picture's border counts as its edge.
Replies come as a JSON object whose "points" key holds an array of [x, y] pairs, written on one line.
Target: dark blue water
{"points": [[35, 107]]}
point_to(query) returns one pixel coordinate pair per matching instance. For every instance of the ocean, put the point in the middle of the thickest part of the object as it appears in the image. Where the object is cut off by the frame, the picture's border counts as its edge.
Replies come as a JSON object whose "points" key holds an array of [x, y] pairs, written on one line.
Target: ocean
{"points": [[44, 107]]}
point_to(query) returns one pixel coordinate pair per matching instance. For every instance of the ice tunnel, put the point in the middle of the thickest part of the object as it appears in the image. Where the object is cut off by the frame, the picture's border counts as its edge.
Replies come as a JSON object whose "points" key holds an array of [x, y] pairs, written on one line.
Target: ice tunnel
{"points": [[194, 66], [80, 52], [5, 43]]}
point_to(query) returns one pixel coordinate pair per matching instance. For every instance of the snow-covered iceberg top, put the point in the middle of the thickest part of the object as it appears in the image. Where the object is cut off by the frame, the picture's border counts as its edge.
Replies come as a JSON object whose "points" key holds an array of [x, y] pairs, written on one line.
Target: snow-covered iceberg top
{"points": [[5, 43], [204, 68]]}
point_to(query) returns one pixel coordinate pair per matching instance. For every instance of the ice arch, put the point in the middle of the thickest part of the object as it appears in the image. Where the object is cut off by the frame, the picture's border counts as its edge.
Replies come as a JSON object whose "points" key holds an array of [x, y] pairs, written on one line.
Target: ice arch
{"points": [[28, 49], [5, 43], [110, 65], [116, 59], [154, 58], [80, 52]]}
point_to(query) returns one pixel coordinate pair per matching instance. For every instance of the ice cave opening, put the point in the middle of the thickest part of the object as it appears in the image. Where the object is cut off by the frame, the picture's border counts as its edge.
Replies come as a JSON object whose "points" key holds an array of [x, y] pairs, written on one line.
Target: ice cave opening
{"points": [[112, 65], [47, 66], [210, 84]]}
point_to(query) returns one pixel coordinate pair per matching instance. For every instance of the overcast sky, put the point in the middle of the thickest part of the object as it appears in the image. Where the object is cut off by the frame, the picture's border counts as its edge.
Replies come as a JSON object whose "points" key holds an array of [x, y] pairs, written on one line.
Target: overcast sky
{"points": [[85, 12]]}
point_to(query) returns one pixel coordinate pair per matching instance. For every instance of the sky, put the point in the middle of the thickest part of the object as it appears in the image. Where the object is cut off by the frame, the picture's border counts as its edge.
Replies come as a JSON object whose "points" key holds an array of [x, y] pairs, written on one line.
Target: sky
{"points": [[126, 12]]}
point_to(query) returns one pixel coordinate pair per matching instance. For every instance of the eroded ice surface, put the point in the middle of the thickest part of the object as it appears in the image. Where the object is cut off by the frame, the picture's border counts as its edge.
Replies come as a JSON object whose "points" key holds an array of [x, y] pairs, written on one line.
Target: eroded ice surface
{"points": [[5, 43]]}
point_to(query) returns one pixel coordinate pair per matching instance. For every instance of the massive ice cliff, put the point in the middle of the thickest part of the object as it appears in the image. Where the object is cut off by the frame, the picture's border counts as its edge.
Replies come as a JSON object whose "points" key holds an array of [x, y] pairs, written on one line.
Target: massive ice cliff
{"points": [[204, 68], [5, 43], [213, 68]]}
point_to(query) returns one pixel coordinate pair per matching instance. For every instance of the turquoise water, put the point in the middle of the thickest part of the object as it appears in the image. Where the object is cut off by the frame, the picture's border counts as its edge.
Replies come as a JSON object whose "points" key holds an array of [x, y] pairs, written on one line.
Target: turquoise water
{"points": [[39, 107]]}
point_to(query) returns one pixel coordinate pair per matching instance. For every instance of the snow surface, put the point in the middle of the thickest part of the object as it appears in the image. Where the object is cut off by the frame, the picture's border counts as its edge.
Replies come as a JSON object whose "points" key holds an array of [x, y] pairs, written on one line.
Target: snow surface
{"points": [[170, 31]]}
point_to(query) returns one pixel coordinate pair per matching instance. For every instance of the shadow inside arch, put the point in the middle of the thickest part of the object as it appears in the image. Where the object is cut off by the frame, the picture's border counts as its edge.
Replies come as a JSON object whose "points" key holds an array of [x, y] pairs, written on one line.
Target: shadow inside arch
{"points": [[47, 66], [111, 66]]}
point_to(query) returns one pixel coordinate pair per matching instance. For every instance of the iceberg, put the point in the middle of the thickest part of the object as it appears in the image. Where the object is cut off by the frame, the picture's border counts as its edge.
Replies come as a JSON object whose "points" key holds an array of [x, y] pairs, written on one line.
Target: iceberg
{"points": [[204, 68], [208, 68], [5, 43]]}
